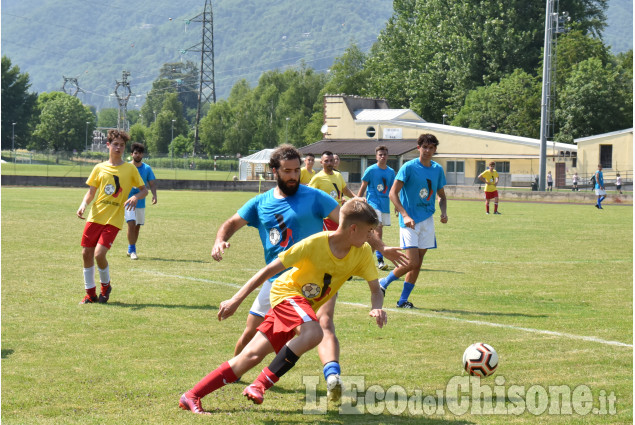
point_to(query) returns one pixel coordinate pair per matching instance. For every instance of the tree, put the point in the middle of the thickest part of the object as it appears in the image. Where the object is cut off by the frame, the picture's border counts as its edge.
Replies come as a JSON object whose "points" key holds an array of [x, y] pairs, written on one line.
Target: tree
{"points": [[432, 53], [138, 133], [185, 79], [511, 106], [163, 129], [108, 118], [154, 100], [18, 105], [62, 125], [214, 126], [596, 99]]}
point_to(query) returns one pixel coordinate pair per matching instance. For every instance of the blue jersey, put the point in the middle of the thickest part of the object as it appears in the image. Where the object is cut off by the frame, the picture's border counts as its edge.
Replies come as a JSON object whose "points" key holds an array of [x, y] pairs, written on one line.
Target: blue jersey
{"points": [[420, 187], [147, 175], [599, 179], [379, 184], [282, 222]]}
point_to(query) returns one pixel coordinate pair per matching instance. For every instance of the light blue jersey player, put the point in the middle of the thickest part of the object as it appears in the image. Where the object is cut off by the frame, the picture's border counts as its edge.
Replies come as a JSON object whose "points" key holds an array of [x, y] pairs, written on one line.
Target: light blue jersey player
{"points": [[379, 178], [418, 183]]}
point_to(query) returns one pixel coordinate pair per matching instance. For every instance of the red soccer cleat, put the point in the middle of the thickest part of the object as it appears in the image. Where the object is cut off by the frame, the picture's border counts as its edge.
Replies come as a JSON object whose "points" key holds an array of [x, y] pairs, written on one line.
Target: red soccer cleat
{"points": [[255, 393], [192, 404]]}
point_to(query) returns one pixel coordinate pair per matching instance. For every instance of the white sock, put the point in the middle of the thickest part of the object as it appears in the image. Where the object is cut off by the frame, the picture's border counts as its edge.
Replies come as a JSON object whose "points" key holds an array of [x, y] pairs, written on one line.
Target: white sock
{"points": [[89, 277], [104, 275]]}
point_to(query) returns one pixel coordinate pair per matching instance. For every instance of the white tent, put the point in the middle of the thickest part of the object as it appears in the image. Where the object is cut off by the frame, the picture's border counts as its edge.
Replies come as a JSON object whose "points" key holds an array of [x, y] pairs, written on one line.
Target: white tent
{"points": [[253, 166]]}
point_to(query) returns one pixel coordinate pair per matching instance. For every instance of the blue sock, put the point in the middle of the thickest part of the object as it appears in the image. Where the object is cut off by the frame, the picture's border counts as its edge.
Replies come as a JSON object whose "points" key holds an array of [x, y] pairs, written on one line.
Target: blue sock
{"points": [[132, 248], [331, 368], [405, 293], [388, 280], [379, 256]]}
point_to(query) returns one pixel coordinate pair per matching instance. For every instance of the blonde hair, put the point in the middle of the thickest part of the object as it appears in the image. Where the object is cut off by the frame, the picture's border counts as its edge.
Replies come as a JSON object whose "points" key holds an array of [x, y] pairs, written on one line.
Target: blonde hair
{"points": [[357, 210]]}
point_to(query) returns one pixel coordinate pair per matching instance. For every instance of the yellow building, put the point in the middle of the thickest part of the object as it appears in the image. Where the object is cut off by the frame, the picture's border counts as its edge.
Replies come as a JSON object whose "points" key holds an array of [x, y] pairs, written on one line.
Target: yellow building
{"points": [[613, 150], [354, 126]]}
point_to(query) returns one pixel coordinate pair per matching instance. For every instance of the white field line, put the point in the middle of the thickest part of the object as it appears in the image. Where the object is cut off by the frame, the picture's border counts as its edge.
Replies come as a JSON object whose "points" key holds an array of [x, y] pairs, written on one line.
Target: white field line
{"points": [[427, 315]]}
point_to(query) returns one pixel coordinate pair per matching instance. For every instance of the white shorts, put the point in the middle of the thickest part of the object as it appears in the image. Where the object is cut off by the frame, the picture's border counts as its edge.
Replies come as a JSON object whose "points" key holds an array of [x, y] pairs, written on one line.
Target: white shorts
{"points": [[422, 236], [138, 215], [600, 192], [262, 304], [384, 218]]}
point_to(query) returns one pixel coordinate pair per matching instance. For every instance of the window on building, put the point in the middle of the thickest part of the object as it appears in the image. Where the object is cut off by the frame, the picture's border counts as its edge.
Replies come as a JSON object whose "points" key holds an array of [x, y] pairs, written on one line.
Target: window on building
{"points": [[502, 166], [370, 131], [606, 156]]}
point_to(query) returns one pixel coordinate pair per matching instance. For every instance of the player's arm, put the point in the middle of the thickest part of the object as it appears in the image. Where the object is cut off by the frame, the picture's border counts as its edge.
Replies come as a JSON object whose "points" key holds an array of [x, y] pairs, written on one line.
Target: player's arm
{"points": [[131, 203], [88, 198], [394, 198], [376, 302], [225, 232], [362, 189], [335, 214], [443, 205], [393, 253], [228, 307], [153, 189], [481, 178], [347, 191]]}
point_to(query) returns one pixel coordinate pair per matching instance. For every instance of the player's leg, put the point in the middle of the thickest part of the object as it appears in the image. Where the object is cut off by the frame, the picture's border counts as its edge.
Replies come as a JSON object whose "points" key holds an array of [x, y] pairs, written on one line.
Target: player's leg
{"points": [[257, 313], [251, 329], [486, 204], [329, 350], [90, 236], [293, 329], [412, 255], [496, 205], [106, 239], [131, 221], [226, 373], [411, 278], [380, 258]]}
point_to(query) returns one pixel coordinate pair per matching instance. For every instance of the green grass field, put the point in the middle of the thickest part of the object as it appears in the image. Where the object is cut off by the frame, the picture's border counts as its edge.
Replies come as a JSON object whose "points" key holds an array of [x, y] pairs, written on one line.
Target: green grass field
{"points": [[549, 286]]}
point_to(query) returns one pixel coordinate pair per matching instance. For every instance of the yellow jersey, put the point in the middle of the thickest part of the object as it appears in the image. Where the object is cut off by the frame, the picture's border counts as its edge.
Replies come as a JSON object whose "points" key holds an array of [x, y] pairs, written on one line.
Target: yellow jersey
{"points": [[306, 176], [333, 184], [316, 274], [490, 178], [113, 186]]}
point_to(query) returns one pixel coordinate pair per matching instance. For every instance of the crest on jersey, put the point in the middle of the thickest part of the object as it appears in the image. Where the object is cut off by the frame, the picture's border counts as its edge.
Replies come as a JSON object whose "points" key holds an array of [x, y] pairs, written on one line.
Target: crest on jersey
{"points": [[380, 188], [109, 189], [423, 193], [333, 194], [274, 236], [311, 290]]}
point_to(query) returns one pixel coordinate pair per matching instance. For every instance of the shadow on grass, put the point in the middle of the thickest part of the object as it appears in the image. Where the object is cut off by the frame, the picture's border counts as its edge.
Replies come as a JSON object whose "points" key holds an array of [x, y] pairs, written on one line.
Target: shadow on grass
{"points": [[140, 306], [487, 313], [172, 260], [6, 352]]}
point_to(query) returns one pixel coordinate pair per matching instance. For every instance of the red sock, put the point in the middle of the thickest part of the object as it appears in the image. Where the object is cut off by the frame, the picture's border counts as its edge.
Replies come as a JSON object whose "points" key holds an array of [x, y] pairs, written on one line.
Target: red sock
{"points": [[496, 207], [92, 292], [266, 378], [487, 207], [104, 288], [220, 377]]}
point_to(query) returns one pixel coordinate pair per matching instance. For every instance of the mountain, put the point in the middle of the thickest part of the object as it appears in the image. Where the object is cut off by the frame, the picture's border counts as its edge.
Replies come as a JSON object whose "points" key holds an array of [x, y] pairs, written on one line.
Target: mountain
{"points": [[95, 41], [619, 28]]}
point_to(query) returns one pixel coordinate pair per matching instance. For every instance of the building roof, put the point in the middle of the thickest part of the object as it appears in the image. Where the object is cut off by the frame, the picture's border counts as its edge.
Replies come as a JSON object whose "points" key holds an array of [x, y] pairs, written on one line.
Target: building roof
{"points": [[261, 157], [386, 115], [601, 136], [359, 147]]}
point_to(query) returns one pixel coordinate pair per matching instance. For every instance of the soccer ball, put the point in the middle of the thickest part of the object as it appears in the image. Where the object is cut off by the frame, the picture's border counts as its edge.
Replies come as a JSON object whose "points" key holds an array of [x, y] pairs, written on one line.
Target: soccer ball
{"points": [[311, 290], [480, 360]]}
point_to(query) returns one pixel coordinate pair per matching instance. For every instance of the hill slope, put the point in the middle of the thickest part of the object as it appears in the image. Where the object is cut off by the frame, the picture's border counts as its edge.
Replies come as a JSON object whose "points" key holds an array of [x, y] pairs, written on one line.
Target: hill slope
{"points": [[95, 41]]}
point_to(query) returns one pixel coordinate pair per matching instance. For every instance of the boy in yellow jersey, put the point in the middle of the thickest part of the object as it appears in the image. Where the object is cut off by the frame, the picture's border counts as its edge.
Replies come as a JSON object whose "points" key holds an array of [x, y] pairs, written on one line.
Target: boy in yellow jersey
{"points": [[307, 173], [330, 181], [111, 181], [490, 178], [320, 265]]}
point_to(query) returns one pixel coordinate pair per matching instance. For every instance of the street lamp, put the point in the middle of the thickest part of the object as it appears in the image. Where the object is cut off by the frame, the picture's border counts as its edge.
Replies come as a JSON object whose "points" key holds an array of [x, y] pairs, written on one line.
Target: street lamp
{"points": [[155, 115], [172, 147], [444, 117], [13, 141], [286, 131], [86, 147]]}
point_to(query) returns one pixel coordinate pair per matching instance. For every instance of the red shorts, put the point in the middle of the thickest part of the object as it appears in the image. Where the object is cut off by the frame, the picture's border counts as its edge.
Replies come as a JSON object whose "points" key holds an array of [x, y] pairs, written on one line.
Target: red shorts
{"points": [[329, 224], [491, 195], [281, 321], [102, 234]]}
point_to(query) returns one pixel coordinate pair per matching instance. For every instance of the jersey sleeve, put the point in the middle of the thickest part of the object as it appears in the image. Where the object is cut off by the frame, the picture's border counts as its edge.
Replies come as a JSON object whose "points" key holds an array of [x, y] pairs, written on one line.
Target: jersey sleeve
{"points": [[151, 174], [441, 182], [324, 203], [249, 211], [93, 179], [366, 268]]}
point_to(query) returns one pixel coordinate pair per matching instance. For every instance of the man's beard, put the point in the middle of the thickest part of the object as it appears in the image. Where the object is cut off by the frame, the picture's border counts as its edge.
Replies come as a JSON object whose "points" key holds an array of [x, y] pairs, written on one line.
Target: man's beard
{"points": [[289, 191]]}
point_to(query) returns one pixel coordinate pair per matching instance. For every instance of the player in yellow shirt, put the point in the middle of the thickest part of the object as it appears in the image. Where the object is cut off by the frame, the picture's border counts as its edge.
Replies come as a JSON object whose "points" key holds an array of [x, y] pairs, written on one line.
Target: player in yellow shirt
{"points": [[111, 182], [490, 178], [320, 265], [307, 173], [330, 181]]}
